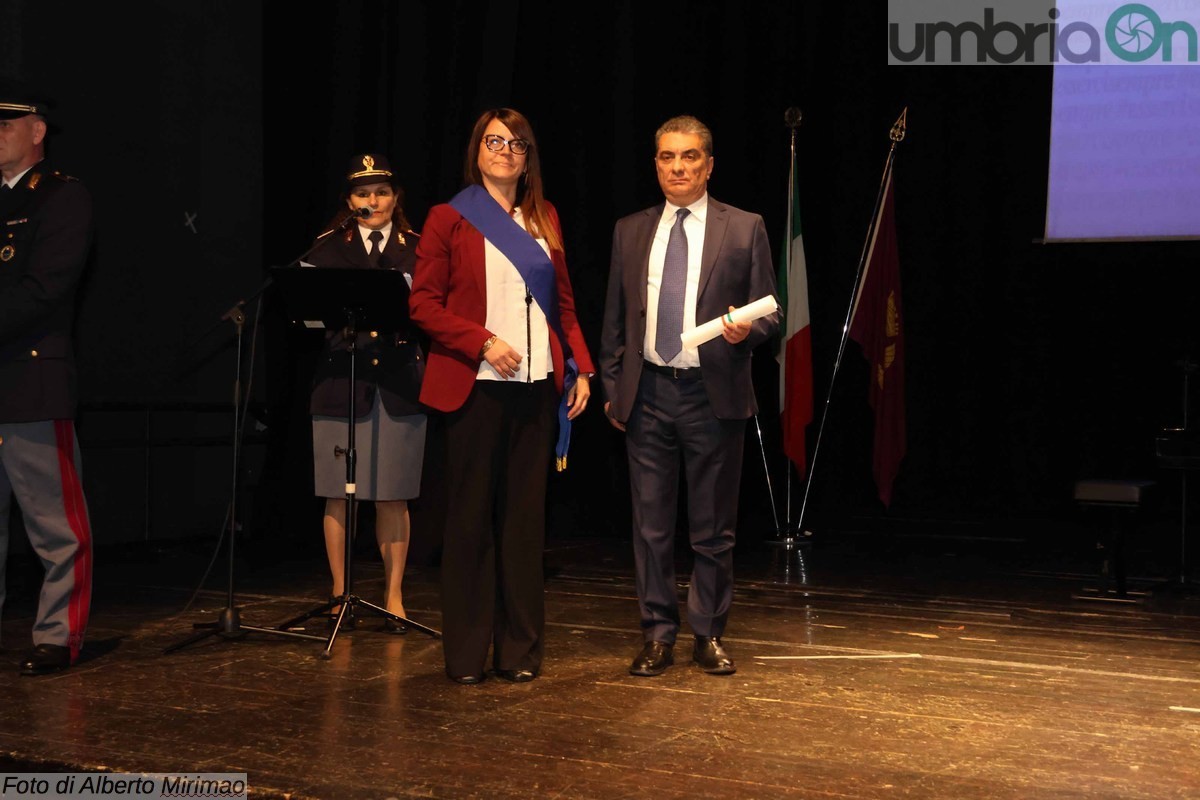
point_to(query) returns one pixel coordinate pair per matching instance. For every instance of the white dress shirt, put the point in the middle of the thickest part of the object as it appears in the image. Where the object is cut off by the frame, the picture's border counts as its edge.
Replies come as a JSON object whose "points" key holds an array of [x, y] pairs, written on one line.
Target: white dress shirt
{"points": [[17, 178], [364, 232]]}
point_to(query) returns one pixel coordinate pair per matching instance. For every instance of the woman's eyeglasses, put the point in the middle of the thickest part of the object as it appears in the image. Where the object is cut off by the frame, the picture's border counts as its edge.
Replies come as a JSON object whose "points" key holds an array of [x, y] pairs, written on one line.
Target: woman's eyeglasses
{"points": [[519, 147]]}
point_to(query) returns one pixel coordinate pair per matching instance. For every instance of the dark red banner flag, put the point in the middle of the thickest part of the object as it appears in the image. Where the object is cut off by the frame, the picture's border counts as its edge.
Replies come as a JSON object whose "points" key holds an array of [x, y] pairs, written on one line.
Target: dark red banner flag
{"points": [[877, 324]]}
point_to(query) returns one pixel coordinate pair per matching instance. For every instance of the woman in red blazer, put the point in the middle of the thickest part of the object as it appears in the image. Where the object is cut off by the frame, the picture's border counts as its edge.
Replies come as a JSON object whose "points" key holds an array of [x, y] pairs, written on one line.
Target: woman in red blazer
{"points": [[497, 368]]}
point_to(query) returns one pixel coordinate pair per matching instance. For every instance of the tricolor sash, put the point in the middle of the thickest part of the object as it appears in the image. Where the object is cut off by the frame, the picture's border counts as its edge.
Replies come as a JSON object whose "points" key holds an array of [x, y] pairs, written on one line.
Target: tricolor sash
{"points": [[518, 246]]}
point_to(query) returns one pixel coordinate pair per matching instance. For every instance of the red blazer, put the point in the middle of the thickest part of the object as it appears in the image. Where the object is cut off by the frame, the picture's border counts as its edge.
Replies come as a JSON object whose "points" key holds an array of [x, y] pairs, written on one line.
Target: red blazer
{"points": [[449, 302]]}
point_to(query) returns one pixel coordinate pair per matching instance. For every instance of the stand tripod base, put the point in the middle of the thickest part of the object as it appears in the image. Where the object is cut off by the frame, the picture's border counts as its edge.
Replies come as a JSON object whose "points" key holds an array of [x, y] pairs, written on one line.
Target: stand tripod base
{"points": [[1106, 595], [229, 626], [792, 538], [788, 565], [348, 602], [1179, 587]]}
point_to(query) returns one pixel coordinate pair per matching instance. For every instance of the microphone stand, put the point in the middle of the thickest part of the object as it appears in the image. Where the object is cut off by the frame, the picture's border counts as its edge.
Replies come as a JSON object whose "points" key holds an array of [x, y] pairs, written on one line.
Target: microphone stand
{"points": [[313, 295], [228, 624], [1181, 583]]}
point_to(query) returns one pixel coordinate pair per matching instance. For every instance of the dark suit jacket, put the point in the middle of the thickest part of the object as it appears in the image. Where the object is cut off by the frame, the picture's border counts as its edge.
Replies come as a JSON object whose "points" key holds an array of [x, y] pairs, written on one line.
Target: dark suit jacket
{"points": [[735, 269], [449, 302], [390, 362], [44, 244]]}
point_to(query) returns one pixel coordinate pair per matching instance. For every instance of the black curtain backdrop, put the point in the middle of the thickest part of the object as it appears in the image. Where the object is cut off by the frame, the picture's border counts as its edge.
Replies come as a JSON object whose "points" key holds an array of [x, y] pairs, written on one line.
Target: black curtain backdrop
{"points": [[157, 108], [1028, 365]]}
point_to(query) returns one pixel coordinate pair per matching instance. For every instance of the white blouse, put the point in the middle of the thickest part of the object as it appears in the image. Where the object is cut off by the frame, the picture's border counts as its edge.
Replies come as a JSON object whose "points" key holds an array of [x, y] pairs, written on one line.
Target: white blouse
{"points": [[507, 317]]}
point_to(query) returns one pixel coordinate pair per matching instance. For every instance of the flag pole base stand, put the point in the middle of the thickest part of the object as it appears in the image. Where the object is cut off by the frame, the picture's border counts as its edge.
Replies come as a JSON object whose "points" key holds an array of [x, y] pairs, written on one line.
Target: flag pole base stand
{"points": [[792, 538], [789, 564]]}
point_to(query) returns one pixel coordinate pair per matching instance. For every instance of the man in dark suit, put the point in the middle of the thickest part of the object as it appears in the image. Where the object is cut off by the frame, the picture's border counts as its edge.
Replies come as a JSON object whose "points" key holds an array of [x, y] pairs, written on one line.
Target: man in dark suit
{"points": [[675, 266], [44, 246]]}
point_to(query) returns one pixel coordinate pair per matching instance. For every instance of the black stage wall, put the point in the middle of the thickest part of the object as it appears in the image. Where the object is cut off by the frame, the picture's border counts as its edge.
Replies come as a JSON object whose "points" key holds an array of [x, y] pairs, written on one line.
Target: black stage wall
{"points": [[1028, 365], [158, 109]]}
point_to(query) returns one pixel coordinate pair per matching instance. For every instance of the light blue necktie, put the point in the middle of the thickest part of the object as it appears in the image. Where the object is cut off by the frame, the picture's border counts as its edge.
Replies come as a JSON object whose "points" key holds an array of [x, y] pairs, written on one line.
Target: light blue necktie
{"points": [[672, 291]]}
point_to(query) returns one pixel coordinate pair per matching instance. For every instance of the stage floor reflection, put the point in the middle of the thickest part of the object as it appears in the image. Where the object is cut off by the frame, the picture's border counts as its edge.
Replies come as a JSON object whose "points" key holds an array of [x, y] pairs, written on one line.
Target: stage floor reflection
{"points": [[864, 671]]}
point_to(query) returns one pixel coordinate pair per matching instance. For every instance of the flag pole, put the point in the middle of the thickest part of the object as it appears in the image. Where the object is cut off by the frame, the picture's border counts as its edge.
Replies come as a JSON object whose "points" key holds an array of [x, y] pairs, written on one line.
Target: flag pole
{"points": [[897, 133], [792, 117]]}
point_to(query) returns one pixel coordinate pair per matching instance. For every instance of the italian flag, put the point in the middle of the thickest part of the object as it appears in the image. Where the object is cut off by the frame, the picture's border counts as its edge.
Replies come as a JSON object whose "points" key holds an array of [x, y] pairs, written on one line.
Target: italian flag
{"points": [[795, 352]]}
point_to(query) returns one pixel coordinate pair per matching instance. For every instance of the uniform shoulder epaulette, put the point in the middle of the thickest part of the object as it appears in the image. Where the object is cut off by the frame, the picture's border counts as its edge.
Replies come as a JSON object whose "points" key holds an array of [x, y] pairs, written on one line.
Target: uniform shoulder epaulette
{"points": [[62, 176]]}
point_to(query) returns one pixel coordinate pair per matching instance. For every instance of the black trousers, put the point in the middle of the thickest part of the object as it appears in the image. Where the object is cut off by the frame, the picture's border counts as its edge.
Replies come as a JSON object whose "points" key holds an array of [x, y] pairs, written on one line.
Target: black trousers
{"points": [[499, 446], [672, 422]]}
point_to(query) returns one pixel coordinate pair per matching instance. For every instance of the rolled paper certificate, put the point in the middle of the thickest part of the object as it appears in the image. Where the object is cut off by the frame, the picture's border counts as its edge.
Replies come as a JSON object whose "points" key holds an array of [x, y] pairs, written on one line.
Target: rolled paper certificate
{"points": [[713, 328]]}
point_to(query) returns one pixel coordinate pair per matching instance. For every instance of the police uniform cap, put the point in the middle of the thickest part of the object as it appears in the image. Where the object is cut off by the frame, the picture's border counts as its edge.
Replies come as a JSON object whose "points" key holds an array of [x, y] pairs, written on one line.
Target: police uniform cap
{"points": [[18, 101], [369, 168]]}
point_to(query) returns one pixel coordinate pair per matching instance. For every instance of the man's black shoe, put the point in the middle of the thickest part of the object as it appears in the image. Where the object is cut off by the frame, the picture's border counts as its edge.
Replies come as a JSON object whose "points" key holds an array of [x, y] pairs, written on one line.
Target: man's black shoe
{"points": [[711, 656], [653, 660], [46, 658]]}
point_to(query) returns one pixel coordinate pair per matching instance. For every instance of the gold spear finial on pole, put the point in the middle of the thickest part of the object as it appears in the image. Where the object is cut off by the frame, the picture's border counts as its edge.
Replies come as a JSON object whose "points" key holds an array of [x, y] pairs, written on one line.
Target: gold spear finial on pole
{"points": [[900, 127]]}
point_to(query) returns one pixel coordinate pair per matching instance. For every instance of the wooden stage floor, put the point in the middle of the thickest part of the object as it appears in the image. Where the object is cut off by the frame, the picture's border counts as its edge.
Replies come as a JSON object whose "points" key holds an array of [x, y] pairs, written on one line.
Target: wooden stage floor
{"points": [[864, 671]]}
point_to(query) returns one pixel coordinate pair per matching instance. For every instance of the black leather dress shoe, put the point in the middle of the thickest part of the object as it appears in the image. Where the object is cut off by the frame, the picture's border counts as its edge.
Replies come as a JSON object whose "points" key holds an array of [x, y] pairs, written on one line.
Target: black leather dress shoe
{"points": [[712, 657], [653, 660], [467, 680], [46, 658], [394, 626], [517, 675]]}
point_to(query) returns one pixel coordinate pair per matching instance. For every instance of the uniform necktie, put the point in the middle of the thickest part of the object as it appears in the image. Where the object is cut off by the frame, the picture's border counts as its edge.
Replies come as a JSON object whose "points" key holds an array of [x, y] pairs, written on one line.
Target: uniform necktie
{"points": [[376, 237], [671, 292]]}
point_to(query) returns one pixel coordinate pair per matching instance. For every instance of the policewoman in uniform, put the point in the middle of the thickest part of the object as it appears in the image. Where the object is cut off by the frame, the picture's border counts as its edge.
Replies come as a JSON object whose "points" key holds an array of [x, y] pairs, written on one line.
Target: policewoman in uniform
{"points": [[390, 428], [44, 242]]}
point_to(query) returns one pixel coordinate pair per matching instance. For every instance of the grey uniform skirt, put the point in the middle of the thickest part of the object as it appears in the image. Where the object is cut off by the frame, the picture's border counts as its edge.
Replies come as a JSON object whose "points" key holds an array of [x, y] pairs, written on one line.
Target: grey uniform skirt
{"points": [[390, 454]]}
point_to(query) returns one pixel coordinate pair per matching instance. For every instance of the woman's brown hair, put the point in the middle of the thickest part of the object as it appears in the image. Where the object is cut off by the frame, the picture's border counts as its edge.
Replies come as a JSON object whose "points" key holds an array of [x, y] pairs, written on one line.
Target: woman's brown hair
{"points": [[529, 189]]}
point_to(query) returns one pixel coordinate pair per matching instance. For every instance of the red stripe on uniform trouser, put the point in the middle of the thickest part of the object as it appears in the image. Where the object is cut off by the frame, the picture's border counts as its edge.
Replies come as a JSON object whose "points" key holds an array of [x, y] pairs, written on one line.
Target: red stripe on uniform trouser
{"points": [[77, 518]]}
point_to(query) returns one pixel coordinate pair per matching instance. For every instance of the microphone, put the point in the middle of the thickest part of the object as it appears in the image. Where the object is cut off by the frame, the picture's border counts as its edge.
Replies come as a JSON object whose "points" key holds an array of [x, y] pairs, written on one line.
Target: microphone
{"points": [[353, 217], [361, 213], [792, 117]]}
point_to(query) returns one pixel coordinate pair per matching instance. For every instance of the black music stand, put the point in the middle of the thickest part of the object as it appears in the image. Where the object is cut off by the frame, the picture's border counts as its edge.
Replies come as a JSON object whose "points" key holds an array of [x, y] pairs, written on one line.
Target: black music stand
{"points": [[347, 299]]}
